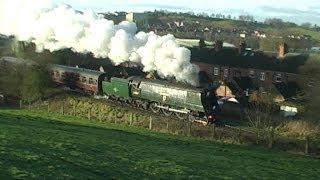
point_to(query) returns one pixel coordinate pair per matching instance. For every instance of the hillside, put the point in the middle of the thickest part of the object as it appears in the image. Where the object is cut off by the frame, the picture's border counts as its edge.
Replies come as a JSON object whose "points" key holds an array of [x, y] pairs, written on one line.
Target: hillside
{"points": [[276, 26], [256, 34], [40, 145]]}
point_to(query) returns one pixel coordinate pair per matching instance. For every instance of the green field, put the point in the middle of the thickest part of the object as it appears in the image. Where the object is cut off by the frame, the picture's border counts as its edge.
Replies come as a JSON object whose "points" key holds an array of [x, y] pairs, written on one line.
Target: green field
{"points": [[41, 145]]}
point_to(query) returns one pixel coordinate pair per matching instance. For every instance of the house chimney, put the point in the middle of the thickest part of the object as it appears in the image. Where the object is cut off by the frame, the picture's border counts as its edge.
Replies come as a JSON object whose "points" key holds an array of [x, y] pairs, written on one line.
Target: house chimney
{"points": [[202, 43], [218, 45], [242, 46], [283, 49]]}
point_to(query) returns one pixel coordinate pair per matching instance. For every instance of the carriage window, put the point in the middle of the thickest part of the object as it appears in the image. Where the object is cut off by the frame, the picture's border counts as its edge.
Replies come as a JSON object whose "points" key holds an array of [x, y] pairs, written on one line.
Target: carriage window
{"points": [[63, 75], [83, 79], [251, 74], [225, 73], [57, 74], [95, 82], [90, 81], [278, 77], [216, 71], [262, 76], [76, 77]]}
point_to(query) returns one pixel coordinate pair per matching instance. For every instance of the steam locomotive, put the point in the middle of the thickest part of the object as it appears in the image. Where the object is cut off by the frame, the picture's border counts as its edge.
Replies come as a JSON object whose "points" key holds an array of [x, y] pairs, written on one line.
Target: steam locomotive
{"points": [[185, 102]]}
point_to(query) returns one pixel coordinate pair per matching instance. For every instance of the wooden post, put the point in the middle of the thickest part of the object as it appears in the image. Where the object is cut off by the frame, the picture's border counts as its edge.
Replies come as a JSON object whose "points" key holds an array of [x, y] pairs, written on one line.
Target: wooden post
{"points": [[20, 104], [115, 117], [213, 130], [38, 108], [74, 110], [48, 107], [306, 149], [239, 135], [100, 117], [220, 135], [89, 114], [257, 137], [62, 108], [167, 125], [150, 123], [190, 124], [131, 118], [271, 137]]}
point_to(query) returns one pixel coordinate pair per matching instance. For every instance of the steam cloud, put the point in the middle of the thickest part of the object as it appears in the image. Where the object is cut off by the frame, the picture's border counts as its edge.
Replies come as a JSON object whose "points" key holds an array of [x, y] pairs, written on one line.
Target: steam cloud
{"points": [[56, 27]]}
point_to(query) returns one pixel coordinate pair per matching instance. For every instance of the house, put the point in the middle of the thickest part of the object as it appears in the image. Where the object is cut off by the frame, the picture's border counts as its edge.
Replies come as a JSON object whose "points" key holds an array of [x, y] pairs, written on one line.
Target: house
{"points": [[242, 35], [315, 49], [194, 43], [141, 20], [259, 71]]}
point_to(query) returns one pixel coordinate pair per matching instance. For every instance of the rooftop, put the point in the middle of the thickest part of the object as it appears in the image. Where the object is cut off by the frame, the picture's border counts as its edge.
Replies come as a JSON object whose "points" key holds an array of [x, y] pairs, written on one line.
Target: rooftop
{"points": [[15, 60], [190, 43], [290, 63]]}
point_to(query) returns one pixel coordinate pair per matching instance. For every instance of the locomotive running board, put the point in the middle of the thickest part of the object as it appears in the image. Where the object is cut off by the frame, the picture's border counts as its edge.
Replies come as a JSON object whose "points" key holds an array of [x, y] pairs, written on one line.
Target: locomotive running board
{"points": [[171, 109]]}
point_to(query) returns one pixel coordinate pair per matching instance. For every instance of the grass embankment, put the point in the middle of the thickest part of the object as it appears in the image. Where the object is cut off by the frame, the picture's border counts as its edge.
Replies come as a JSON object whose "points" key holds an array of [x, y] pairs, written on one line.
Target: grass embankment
{"points": [[42, 145]]}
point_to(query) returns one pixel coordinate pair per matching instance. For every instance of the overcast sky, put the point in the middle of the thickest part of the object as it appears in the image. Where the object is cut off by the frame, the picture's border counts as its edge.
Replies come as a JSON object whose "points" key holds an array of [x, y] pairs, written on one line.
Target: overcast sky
{"points": [[297, 11]]}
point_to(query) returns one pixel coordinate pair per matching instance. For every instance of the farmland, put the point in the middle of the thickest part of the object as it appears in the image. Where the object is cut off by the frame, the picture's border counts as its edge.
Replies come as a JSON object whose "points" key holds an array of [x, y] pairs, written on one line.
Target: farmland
{"points": [[48, 145]]}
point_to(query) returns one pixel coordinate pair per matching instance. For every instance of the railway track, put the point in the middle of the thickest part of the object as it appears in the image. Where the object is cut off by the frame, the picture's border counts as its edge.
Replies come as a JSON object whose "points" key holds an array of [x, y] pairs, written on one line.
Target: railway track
{"points": [[137, 107], [146, 110]]}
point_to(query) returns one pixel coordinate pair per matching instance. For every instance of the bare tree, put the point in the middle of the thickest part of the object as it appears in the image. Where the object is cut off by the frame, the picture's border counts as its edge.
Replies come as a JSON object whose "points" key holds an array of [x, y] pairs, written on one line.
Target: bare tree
{"points": [[311, 70], [261, 112]]}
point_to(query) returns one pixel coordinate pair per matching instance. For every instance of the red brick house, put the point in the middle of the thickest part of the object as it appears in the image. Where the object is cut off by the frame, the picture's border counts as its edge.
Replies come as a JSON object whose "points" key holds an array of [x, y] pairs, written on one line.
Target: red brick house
{"points": [[251, 71], [260, 78]]}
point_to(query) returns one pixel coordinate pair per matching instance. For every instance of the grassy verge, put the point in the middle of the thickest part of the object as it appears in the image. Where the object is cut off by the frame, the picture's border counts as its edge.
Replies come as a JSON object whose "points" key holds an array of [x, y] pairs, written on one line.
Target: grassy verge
{"points": [[42, 145]]}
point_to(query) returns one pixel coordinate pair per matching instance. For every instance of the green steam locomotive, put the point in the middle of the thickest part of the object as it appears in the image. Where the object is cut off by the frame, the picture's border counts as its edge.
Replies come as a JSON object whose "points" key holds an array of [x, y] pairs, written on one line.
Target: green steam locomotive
{"points": [[185, 102]]}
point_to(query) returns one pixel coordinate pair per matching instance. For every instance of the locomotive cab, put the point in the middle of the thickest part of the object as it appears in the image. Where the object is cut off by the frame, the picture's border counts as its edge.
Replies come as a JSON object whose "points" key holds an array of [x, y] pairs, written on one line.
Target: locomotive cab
{"points": [[210, 104]]}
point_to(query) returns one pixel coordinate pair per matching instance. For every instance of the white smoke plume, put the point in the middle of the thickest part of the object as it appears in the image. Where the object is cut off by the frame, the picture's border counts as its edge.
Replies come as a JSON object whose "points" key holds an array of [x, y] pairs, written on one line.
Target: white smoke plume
{"points": [[56, 27]]}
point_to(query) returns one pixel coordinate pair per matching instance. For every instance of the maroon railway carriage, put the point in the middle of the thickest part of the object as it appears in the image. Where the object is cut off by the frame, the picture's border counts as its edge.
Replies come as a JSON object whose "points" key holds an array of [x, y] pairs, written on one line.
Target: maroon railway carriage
{"points": [[77, 78]]}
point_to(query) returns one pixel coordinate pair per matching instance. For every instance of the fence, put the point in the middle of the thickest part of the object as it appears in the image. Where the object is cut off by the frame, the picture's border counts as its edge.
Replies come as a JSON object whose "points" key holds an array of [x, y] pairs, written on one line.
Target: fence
{"points": [[102, 111]]}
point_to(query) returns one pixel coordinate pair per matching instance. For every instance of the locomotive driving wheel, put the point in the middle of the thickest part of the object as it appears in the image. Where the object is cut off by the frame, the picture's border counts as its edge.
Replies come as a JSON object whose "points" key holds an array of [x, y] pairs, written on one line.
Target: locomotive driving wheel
{"points": [[181, 115], [166, 112], [154, 108], [191, 118], [144, 105], [136, 103]]}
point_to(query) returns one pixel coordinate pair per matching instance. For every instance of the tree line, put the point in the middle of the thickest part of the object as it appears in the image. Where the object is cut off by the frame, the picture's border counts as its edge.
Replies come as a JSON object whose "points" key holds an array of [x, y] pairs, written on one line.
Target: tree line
{"points": [[25, 82], [271, 22]]}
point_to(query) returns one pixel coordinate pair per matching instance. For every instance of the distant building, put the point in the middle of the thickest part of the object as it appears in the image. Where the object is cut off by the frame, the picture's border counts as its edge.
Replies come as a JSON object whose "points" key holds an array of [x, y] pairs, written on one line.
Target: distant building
{"points": [[242, 35], [13, 60], [315, 49], [252, 71], [141, 20], [194, 43]]}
